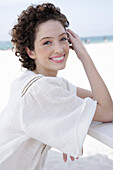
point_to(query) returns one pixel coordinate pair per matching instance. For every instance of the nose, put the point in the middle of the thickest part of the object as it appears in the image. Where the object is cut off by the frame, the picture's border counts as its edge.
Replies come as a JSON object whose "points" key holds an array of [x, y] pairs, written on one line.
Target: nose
{"points": [[58, 48]]}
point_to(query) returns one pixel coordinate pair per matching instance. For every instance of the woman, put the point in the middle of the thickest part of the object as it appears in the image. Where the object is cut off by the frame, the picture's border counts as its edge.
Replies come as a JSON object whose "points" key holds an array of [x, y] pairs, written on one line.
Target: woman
{"points": [[44, 110]]}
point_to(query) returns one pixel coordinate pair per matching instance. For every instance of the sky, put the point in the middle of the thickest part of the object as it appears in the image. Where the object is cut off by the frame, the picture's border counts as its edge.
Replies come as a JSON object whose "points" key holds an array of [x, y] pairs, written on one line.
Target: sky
{"points": [[86, 17]]}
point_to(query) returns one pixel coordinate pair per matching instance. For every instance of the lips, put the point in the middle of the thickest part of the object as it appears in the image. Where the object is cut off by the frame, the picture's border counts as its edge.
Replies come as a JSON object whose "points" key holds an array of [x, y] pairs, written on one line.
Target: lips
{"points": [[58, 59]]}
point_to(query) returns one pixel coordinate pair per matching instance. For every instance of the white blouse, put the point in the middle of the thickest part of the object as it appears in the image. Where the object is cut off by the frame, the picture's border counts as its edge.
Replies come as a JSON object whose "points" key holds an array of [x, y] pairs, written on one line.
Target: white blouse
{"points": [[42, 112]]}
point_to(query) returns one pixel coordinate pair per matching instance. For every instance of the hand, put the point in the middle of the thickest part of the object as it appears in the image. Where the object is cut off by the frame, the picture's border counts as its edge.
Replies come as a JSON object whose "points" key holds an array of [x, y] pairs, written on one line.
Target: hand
{"points": [[65, 157], [77, 45], [71, 157]]}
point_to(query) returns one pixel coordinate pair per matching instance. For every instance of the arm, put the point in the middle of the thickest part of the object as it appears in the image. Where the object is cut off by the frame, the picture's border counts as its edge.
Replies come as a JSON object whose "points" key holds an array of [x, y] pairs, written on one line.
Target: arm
{"points": [[104, 111], [100, 93], [83, 93]]}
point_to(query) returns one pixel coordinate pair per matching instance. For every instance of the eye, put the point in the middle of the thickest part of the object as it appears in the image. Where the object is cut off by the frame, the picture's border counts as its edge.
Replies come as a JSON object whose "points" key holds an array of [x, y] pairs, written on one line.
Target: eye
{"points": [[63, 39], [47, 43]]}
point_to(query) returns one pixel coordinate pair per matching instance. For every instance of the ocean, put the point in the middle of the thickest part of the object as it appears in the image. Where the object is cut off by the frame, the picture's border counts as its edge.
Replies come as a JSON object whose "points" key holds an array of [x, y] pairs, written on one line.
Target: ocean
{"points": [[5, 45], [97, 39]]}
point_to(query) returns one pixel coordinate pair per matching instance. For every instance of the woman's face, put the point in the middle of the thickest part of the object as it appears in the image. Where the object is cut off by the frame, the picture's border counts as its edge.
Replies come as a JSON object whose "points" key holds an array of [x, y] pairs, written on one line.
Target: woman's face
{"points": [[51, 48]]}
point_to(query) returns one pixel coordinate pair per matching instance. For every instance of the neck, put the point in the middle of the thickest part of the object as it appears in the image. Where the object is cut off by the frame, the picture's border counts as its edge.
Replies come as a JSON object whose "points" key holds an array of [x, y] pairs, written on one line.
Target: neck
{"points": [[49, 74]]}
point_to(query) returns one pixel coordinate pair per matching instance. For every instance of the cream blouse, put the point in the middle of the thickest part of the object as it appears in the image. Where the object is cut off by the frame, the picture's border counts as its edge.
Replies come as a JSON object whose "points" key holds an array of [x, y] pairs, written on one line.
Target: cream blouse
{"points": [[42, 112]]}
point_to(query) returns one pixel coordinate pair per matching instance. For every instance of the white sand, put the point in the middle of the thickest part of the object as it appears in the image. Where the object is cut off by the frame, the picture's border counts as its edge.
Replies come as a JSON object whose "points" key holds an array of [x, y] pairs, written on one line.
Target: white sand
{"points": [[96, 155]]}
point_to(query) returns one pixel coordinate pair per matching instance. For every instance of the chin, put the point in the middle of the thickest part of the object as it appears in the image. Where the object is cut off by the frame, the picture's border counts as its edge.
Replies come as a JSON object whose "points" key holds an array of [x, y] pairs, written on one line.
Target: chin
{"points": [[61, 68]]}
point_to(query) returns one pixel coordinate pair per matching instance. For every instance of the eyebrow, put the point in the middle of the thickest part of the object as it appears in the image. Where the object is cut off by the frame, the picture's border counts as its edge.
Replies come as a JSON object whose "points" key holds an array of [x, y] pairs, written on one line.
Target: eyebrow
{"points": [[52, 37]]}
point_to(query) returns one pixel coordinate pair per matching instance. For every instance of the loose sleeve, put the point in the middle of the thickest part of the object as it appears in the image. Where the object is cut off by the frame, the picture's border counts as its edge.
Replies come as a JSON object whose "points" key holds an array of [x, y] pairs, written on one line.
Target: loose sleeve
{"points": [[52, 113]]}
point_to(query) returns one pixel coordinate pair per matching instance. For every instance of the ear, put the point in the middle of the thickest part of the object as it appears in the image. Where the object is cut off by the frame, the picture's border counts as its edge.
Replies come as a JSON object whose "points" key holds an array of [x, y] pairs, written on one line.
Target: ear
{"points": [[30, 53]]}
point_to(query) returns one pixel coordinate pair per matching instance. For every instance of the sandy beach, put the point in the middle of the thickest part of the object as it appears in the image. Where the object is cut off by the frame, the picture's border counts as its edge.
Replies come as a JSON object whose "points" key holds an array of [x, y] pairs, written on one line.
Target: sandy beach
{"points": [[96, 155]]}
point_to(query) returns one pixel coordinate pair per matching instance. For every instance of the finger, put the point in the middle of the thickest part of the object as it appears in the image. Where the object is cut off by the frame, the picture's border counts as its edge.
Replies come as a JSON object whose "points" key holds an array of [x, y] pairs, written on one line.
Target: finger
{"points": [[69, 34], [71, 37], [64, 157], [71, 47], [82, 150], [72, 33], [72, 158]]}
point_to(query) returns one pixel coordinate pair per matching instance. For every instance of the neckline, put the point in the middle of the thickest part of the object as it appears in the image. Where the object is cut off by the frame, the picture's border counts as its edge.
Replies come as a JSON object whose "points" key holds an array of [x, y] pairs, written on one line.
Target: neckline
{"points": [[31, 72]]}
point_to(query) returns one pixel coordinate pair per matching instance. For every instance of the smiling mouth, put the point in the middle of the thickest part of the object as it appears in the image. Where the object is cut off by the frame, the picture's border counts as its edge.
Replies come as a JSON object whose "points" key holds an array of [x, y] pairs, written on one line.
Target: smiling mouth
{"points": [[58, 59]]}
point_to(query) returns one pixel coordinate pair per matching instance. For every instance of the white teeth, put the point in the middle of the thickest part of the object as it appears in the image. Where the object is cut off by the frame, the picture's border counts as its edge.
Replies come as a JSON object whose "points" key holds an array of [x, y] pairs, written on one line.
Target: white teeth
{"points": [[60, 58]]}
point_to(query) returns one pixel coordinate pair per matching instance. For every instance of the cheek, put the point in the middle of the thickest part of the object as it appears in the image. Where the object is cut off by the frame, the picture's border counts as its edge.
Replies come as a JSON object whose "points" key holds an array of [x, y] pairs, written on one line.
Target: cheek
{"points": [[66, 47], [45, 50], [42, 52]]}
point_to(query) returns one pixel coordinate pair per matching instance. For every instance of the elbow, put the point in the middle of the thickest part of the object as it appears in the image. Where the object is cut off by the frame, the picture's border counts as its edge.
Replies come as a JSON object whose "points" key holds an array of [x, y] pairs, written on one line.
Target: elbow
{"points": [[103, 114], [112, 115], [108, 115], [111, 111]]}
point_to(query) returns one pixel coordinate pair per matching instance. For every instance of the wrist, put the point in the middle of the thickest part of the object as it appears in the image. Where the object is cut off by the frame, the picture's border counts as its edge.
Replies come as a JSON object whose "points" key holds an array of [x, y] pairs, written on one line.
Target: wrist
{"points": [[85, 58]]}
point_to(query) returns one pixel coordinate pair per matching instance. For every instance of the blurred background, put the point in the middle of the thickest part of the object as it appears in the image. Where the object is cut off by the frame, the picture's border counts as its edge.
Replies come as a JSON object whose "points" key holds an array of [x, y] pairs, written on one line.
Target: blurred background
{"points": [[92, 20]]}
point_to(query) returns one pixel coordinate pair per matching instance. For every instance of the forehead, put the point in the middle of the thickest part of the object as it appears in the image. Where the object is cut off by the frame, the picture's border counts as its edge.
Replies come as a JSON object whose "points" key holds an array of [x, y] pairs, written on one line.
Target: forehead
{"points": [[50, 27]]}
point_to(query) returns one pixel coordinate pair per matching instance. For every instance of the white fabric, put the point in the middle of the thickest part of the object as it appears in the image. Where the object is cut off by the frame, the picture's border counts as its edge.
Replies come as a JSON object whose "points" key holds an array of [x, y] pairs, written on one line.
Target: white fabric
{"points": [[41, 114]]}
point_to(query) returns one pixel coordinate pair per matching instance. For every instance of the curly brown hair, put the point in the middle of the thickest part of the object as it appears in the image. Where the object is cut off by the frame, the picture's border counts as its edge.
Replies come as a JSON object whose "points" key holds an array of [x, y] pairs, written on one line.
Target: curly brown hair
{"points": [[24, 32]]}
